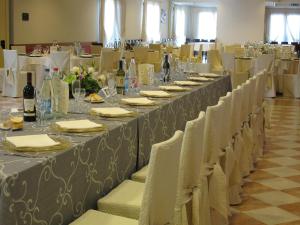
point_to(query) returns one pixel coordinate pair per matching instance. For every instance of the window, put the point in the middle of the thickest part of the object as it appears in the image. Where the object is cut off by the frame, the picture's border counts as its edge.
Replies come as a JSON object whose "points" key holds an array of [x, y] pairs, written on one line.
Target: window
{"points": [[180, 26], [284, 27], [111, 20], [153, 21], [277, 28], [207, 25]]}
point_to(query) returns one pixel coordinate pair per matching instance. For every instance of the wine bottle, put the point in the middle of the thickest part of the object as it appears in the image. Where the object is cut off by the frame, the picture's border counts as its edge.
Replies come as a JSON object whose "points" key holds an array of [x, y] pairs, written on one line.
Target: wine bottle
{"points": [[120, 79], [166, 69], [29, 100]]}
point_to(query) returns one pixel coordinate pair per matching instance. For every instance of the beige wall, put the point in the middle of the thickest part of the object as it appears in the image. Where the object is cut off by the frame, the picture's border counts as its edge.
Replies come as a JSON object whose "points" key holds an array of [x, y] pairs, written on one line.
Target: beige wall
{"points": [[62, 20], [240, 21]]}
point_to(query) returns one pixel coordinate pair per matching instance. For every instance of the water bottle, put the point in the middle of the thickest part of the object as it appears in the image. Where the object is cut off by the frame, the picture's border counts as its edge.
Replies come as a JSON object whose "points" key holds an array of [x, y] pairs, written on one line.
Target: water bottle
{"points": [[47, 94], [133, 80]]}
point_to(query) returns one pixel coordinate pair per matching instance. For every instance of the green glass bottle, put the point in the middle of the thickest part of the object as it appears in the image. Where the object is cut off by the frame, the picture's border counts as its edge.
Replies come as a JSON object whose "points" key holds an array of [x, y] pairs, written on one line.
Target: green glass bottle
{"points": [[120, 79]]}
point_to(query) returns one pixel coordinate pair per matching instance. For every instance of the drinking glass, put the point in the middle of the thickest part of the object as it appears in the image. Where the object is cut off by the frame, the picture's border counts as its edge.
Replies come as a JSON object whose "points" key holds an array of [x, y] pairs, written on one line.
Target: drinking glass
{"points": [[82, 94], [5, 125], [76, 87], [40, 109]]}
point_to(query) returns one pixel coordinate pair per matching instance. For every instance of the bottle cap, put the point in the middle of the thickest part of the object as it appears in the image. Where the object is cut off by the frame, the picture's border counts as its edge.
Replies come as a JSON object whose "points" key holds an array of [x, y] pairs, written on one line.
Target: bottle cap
{"points": [[55, 69]]}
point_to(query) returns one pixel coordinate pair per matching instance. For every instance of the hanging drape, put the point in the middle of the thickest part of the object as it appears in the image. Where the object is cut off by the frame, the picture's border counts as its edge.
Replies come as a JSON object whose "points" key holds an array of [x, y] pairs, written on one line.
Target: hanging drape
{"points": [[282, 25], [112, 20], [180, 24], [144, 20], [4, 26]]}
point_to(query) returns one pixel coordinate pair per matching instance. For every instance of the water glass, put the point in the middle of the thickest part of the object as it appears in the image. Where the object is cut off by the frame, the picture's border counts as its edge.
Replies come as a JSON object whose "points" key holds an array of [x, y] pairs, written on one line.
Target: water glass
{"points": [[5, 125], [40, 109]]}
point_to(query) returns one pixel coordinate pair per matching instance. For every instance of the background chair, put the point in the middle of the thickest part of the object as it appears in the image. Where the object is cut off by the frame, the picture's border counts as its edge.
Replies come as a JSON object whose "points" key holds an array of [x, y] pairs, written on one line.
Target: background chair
{"points": [[21, 49], [291, 84], [14, 80]]}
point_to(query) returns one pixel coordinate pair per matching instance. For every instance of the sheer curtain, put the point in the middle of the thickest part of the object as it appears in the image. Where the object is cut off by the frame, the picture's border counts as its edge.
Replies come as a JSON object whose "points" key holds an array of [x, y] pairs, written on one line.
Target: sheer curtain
{"points": [[153, 21], [180, 25], [207, 25], [112, 27], [282, 25]]}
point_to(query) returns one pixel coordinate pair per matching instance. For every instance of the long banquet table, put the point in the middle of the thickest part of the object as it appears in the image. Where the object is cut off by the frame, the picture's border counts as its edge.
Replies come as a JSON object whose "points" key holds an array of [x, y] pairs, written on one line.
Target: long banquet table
{"points": [[57, 187]]}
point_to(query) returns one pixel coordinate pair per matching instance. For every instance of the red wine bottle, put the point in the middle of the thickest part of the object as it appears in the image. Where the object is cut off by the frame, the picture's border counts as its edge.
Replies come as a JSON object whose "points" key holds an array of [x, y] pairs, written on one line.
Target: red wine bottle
{"points": [[29, 100]]}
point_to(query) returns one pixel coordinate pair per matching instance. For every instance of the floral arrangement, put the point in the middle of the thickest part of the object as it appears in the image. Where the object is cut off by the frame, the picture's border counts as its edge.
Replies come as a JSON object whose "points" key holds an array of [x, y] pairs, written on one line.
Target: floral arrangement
{"points": [[85, 74]]}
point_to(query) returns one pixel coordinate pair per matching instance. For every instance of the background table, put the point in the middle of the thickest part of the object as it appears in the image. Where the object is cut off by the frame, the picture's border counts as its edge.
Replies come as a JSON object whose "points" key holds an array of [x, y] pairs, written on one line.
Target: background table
{"points": [[57, 187]]}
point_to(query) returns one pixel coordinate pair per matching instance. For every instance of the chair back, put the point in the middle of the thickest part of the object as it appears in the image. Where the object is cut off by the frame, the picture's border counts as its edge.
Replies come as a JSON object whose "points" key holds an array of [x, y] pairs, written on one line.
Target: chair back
{"points": [[226, 136], [263, 62], [213, 132], [60, 60], [186, 51], [155, 47], [236, 110], [11, 59], [214, 59], [191, 156], [21, 49], [96, 49], [109, 60], [141, 54], [252, 94], [228, 61], [245, 102], [1, 58], [161, 184]]}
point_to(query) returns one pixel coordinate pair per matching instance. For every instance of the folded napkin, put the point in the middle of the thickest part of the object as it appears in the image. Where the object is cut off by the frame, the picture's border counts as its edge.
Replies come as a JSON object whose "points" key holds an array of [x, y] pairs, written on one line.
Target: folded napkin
{"points": [[111, 112], [32, 141], [187, 83], [212, 75], [138, 101], [173, 88], [74, 125], [155, 94], [200, 79]]}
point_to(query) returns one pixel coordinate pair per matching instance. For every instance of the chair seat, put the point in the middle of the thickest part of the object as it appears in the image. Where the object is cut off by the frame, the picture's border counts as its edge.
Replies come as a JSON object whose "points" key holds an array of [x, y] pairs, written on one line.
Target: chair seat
{"points": [[140, 176], [125, 200], [93, 217]]}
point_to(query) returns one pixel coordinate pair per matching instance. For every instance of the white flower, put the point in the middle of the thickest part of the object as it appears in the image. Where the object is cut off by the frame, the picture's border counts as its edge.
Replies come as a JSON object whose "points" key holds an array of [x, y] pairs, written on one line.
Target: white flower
{"points": [[75, 70], [91, 70]]}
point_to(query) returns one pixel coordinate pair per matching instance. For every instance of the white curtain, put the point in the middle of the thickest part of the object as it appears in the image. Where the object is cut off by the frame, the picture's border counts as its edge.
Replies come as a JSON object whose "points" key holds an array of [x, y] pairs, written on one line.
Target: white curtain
{"points": [[112, 21], [207, 25], [180, 25], [153, 21], [282, 25]]}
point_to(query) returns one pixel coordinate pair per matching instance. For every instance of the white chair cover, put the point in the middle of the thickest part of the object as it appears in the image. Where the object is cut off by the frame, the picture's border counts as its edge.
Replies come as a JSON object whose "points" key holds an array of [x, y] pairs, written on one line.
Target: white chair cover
{"points": [[228, 62], [214, 59], [235, 178], [291, 84], [190, 184], [156, 204], [21, 49], [13, 80], [60, 60], [212, 151]]}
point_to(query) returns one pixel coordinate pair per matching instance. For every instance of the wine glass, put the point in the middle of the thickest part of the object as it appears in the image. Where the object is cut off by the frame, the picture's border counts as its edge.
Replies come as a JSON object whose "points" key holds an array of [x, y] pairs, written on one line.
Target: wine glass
{"points": [[82, 94], [76, 87], [5, 124]]}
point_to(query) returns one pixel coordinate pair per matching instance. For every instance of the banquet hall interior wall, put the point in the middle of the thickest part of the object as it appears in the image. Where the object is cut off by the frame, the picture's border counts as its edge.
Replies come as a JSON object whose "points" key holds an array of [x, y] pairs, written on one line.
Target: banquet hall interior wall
{"points": [[65, 20]]}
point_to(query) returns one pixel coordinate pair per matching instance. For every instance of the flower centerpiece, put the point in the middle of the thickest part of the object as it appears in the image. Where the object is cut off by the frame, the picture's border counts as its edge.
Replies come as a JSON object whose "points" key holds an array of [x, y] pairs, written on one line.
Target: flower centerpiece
{"points": [[85, 75]]}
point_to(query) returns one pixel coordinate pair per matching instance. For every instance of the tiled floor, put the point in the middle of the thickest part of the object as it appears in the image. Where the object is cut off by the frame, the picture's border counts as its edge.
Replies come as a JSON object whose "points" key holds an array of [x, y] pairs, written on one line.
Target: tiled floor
{"points": [[272, 193]]}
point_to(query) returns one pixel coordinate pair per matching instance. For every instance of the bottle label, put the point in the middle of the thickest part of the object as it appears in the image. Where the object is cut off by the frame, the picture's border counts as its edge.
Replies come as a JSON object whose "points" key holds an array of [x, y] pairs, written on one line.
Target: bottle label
{"points": [[120, 82], [28, 105]]}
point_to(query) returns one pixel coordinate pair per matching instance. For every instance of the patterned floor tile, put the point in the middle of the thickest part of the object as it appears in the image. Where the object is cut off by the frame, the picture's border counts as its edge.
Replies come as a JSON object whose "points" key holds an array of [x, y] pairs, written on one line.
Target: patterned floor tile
{"points": [[285, 161], [250, 203], [254, 187], [264, 164], [242, 219], [294, 178], [288, 152], [276, 198], [272, 215], [282, 171], [291, 223], [293, 191], [279, 183], [260, 174], [293, 208]]}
